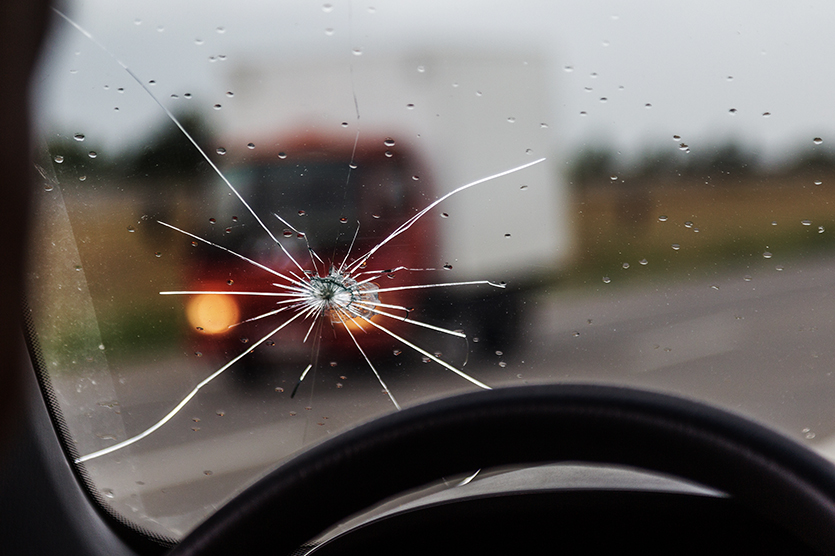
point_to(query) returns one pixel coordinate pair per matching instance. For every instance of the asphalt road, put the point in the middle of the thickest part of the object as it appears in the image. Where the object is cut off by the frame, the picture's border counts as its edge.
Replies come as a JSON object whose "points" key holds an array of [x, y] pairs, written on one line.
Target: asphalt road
{"points": [[759, 342]]}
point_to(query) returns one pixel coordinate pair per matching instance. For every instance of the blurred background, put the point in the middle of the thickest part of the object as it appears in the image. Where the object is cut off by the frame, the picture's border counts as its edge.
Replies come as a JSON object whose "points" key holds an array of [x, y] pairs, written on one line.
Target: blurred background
{"points": [[677, 234]]}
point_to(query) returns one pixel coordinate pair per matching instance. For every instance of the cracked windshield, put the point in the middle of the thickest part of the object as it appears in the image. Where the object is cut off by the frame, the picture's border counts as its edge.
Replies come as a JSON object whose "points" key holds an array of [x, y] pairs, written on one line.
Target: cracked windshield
{"points": [[259, 224]]}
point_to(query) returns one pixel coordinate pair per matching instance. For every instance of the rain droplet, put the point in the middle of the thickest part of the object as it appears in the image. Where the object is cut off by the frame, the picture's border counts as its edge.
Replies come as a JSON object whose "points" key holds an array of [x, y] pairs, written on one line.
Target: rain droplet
{"points": [[207, 472], [778, 268], [732, 111], [421, 69], [625, 265], [131, 229], [806, 222], [108, 493], [688, 224], [613, 178], [511, 119], [217, 107], [767, 255], [327, 8], [221, 151], [187, 95], [389, 154], [676, 246], [158, 254], [662, 218], [282, 155], [643, 262], [416, 177], [502, 364], [523, 187], [230, 94], [447, 266], [507, 236], [603, 99], [817, 140], [343, 220], [212, 221], [568, 69], [818, 182], [410, 106], [78, 137], [647, 105], [329, 31], [444, 215], [92, 154], [389, 142], [606, 279], [229, 282], [59, 159], [747, 278], [250, 145], [198, 41], [357, 51], [766, 114], [714, 287], [820, 229], [198, 353]]}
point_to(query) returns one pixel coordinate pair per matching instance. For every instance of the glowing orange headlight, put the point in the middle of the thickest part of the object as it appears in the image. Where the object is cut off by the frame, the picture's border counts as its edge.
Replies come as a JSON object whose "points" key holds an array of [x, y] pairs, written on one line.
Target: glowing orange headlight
{"points": [[212, 314]]}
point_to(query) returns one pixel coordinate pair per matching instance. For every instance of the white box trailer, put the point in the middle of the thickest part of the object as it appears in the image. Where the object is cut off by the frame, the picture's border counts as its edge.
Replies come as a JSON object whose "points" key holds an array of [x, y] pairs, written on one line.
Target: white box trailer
{"points": [[468, 114]]}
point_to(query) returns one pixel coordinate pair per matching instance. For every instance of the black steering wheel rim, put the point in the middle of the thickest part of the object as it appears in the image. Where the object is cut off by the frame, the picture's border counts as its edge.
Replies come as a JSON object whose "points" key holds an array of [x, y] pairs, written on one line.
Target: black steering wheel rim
{"points": [[764, 471]]}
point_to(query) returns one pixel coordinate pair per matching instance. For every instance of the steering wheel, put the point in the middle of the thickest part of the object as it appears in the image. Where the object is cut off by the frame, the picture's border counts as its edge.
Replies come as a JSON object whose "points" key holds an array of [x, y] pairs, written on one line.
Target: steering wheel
{"points": [[763, 471]]}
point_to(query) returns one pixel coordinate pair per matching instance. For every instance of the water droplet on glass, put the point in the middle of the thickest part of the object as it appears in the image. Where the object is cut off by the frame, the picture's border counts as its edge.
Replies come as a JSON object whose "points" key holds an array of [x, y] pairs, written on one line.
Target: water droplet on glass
{"points": [[575, 334], [818, 182], [194, 244], [603, 99], [229, 282], [767, 255], [329, 31], [198, 353], [217, 107], [221, 151], [747, 278], [676, 246], [447, 266], [230, 94], [389, 154], [806, 222], [158, 254], [625, 265], [502, 364], [250, 145], [523, 187], [108, 493], [662, 218], [120, 90], [343, 220], [152, 82], [683, 147], [198, 42], [644, 262], [444, 215], [606, 279], [212, 221], [766, 114], [82, 178], [732, 111], [410, 106], [820, 229], [647, 105], [507, 236], [688, 224], [416, 178], [817, 140], [357, 51], [421, 69], [583, 113], [327, 8], [131, 229], [59, 159], [288, 233], [78, 137], [613, 178], [282, 155], [778, 268], [92, 154], [389, 142], [714, 287], [511, 119], [568, 69]]}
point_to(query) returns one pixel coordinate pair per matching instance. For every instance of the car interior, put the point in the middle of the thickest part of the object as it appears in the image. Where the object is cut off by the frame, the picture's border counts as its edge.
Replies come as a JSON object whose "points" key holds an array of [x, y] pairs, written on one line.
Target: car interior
{"points": [[365, 278]]}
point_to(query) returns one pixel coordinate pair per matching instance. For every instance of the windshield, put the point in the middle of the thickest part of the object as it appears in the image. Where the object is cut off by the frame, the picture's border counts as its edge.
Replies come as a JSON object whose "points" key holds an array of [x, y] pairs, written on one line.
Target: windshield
{"points": [[260, 224]]}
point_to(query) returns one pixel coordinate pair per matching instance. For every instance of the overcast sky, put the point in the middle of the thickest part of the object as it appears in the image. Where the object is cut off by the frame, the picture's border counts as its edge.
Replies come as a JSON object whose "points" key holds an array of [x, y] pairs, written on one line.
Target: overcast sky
{"points": [[708, 70]]}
